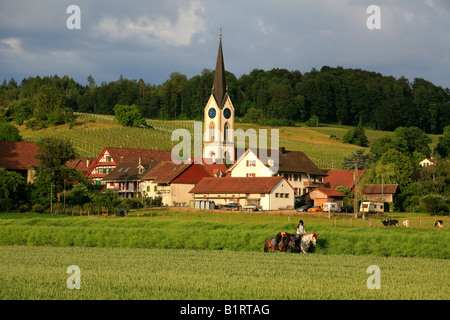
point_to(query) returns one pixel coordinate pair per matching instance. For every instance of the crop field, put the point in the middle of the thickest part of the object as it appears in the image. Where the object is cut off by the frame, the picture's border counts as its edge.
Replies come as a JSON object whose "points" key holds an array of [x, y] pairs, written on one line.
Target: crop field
{"points": [[119, 273], [170, 256]]}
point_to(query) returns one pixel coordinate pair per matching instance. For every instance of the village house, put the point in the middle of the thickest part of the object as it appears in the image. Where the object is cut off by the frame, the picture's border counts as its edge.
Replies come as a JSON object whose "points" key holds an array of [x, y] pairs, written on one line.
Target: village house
{"points": [[19, 157], [267, 193], [110, 158], [82, 164], [172, 182], [426, 162], [126, 178], [380, 192], [321, 195], [346, 178], [294, 166]]}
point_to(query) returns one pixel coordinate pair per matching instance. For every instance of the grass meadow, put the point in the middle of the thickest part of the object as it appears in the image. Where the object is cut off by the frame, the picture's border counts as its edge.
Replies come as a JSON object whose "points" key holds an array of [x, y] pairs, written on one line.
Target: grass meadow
{"points": [[173, 255]]}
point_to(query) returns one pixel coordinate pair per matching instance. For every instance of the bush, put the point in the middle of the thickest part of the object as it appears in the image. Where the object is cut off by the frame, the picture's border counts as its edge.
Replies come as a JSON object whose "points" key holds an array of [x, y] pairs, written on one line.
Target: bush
{"points": [[38, 208], [24, 208], [435, 203], [312, 122]]}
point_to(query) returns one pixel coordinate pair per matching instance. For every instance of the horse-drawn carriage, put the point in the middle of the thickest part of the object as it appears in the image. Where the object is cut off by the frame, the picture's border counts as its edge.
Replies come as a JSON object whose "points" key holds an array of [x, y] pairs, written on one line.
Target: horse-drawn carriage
{"points": [[286, 242]]}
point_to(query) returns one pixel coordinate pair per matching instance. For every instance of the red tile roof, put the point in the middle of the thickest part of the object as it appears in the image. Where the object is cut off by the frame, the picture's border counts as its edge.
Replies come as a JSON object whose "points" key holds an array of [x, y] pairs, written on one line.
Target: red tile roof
{"points": [[82, 164], [166, 171], [18, 155], [191, 175], [133, 155], [124, 155], [379, 189], [338, 178], [237, 185]]}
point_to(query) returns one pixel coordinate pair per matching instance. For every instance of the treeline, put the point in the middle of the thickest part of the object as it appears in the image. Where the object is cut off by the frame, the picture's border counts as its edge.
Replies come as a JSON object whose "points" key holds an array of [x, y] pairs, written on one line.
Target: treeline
{"points": [[334, 95]]}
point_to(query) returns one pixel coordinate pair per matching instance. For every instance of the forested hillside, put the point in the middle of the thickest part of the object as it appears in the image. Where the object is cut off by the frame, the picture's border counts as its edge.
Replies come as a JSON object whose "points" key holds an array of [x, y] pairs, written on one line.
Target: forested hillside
{"points": [[334, 95]]}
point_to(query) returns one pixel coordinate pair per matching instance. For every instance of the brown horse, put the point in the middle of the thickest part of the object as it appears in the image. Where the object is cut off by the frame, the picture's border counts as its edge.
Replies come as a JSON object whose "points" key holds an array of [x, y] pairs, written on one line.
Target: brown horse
{"points": [[282, 242]]}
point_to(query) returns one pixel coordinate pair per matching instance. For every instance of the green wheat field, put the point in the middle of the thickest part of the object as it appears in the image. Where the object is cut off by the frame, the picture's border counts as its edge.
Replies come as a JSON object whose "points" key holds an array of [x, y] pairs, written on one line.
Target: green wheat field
{"points": [[157, 258]]}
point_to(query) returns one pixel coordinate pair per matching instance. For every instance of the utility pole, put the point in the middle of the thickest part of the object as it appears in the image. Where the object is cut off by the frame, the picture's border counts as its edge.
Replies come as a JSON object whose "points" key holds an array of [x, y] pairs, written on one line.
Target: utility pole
{"points": [[51, 196], [355, 203]]}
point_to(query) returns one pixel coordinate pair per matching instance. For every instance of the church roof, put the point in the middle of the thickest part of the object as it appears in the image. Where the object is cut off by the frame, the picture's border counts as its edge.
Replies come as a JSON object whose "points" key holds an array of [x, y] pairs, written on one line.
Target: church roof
{"points": [[219, 84]]}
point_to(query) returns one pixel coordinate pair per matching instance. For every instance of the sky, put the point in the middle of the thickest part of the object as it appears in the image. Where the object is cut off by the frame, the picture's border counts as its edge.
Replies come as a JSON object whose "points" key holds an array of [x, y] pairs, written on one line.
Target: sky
{"points": [[149, 39]]}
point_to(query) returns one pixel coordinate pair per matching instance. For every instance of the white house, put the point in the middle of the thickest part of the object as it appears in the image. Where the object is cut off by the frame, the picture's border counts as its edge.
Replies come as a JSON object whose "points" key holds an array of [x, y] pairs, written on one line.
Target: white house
{"points": [[268, 193]]}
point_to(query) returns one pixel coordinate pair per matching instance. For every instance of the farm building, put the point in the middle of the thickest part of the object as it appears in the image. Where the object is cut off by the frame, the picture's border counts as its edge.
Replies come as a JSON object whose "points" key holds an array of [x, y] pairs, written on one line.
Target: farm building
{"points": [[346, 178], [426, 162], [19, 157], [321, 195], [380, 192], [82, 164], [109, 159], [294, 166], [268, 193], [126, 178], [172, 182]]}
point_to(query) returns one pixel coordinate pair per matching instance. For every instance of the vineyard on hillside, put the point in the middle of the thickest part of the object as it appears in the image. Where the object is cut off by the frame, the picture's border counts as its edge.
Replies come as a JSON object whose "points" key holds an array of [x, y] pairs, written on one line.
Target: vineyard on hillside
{"points": [[94, 132]]}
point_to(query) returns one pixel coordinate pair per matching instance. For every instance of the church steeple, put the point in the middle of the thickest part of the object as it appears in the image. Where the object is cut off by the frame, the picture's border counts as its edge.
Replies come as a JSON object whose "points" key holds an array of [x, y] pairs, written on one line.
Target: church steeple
{"points": [[220, 85]]}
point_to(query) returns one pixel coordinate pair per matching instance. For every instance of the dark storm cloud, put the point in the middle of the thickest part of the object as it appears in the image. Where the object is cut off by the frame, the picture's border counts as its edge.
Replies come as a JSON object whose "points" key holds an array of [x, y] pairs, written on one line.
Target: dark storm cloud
{"points": [[151, 39]]}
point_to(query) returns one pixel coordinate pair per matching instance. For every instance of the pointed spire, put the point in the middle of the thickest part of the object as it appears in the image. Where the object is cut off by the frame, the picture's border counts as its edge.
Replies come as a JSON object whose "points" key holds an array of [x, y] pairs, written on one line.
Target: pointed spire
{"points": [[220, 85]]}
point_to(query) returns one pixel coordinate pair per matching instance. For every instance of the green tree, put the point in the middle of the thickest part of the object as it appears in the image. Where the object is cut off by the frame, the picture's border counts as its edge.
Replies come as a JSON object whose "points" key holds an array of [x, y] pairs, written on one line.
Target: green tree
{"points": [[12, 186], [403, 166], [254, 115], [108, 199], [359, 157], [356, 136], [53, 154], [312, 122], [48, 100], [435, 203], [9, 132], [128, 116], [443, 145], [79, 195]]}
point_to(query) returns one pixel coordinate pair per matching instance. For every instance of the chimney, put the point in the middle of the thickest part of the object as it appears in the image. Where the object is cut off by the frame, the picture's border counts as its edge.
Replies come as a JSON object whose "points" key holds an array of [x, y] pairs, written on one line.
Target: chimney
{"points": [[88, 163]]}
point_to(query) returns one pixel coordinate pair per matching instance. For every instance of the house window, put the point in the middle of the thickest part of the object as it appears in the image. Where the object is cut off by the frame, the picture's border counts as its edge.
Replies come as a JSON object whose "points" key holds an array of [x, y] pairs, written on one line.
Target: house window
{"points": [[286, 195], [250, 175], [277, 195], [148, 188], [251, 163], [108, 158], [104, 170]]}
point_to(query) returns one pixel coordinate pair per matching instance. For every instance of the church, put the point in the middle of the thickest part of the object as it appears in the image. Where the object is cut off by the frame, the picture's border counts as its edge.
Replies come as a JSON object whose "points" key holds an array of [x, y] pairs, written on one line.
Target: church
{"points": [[218, 119], [248, 181]]}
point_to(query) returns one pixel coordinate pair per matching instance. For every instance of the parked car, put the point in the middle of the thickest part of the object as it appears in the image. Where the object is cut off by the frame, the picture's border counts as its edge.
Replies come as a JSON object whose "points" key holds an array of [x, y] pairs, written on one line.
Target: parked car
{"points": [[345, 209], [315, 209], [231, 206], [303, 208]]}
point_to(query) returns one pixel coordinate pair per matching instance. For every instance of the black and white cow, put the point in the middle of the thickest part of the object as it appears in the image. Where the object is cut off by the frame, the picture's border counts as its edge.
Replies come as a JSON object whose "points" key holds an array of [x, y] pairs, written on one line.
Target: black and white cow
{"points": [[439, 224], [390, 223]]}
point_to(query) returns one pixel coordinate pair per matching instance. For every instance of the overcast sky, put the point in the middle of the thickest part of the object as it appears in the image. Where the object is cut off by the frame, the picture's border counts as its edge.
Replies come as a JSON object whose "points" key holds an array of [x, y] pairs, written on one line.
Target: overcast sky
{"points": [[150, 39]]}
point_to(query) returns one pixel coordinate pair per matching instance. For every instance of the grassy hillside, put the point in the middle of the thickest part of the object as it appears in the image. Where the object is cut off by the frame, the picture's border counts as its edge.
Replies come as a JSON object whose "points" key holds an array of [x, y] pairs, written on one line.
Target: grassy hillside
{"points": [[91, 133]]}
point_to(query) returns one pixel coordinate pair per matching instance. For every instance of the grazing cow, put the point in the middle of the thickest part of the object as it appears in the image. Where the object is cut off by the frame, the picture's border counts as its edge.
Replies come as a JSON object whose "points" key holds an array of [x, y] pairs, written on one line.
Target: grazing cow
{"points": [[439, 224], [390, 223], [406, 223]]}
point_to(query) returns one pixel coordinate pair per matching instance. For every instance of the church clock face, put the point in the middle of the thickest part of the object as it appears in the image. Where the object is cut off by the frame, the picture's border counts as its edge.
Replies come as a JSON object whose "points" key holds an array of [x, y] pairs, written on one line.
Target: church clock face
{"points": [[211, 113], [227, 113]]}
